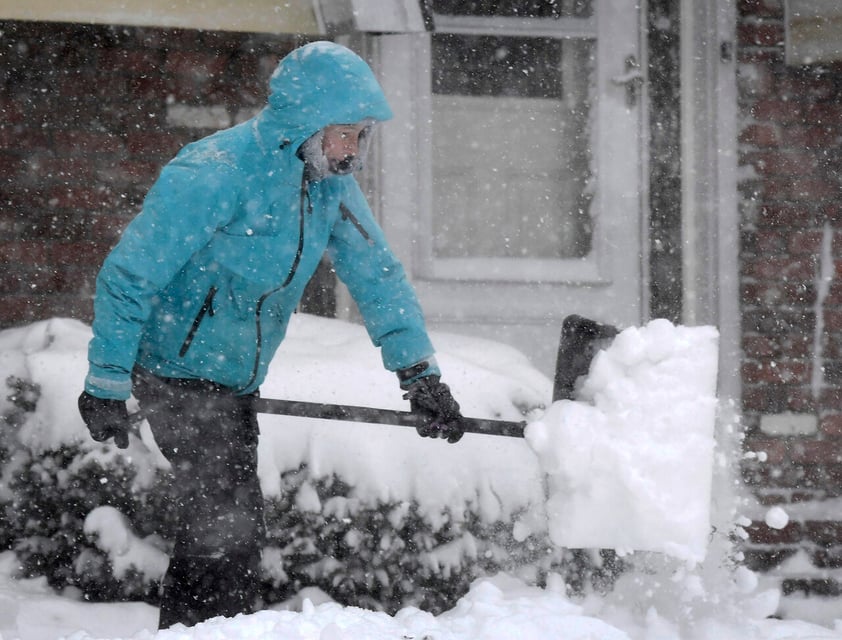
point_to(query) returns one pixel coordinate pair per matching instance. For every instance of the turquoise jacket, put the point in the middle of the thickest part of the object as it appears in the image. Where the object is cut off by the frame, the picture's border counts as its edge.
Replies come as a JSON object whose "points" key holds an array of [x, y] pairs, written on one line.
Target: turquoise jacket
{"points": [[205, 278]]}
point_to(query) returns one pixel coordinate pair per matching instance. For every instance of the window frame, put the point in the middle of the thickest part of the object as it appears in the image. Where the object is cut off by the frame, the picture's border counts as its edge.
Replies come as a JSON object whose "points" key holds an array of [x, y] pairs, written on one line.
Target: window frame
{"points": [[591, 269]]}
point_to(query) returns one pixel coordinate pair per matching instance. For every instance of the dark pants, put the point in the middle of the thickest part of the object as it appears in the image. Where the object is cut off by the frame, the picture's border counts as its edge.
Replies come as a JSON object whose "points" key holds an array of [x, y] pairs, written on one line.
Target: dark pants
{"points": [[209, 435]]}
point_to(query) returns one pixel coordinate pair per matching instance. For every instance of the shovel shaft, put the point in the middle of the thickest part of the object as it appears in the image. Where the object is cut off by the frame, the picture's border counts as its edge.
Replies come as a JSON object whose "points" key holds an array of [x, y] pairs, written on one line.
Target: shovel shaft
{"points": [[371, 415]]}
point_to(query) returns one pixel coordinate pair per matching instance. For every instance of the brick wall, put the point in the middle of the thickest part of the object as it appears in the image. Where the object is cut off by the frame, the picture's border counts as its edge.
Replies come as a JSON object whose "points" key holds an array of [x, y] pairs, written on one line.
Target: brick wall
{"points": [[791, 126], [88, 115]]}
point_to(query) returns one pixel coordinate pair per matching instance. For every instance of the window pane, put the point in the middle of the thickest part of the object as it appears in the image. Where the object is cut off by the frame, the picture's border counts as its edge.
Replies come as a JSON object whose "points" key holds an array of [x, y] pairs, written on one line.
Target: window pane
{"points": [[515, 8], [511, 158], [496, 66]]}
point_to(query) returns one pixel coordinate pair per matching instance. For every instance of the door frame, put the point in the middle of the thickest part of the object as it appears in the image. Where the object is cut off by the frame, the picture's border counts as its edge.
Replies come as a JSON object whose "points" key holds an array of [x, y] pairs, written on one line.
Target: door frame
{"points": [[513, 311], [709, 208]]}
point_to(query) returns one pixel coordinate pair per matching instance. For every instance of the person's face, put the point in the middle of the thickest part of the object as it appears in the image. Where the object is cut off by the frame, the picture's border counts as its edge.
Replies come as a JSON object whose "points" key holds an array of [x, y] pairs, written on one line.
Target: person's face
{"points": [[341, 145]]}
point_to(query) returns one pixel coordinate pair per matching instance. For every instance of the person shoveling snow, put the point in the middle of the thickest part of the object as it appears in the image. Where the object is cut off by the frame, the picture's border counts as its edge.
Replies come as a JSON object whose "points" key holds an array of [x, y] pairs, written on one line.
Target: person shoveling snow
{"points": [[194, 301]]}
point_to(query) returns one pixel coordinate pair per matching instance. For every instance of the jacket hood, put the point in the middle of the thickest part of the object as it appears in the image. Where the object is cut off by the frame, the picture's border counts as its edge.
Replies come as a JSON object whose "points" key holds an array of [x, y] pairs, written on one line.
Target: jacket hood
{"points": [[320, 84]]}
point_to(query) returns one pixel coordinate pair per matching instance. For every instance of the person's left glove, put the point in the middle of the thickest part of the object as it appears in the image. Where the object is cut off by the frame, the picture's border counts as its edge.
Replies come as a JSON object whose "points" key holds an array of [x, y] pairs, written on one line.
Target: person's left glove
{"points": [[431, 398], [105, 419]]}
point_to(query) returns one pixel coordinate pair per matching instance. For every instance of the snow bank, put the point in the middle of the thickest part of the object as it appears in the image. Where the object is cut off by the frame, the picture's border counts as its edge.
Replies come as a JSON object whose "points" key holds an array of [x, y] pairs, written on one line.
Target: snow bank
{"points": [[647, 404], [630, 466], [499, 608]]}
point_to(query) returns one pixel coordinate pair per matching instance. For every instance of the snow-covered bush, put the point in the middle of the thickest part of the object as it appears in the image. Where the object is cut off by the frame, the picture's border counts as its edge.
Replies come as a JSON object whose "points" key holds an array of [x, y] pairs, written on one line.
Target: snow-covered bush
{"points": [[98, 520], [390, 557], [382, 556], [47, 496]]}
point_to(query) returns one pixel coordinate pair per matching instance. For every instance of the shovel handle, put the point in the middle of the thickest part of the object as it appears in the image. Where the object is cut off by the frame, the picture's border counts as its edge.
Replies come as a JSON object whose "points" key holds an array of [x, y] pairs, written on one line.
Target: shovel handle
{"points": [[371, 415]]}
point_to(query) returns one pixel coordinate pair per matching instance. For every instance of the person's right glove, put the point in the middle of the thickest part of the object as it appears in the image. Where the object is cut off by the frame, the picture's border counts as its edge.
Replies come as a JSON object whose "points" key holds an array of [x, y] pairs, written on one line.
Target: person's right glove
{"points": [[431, 398], [105, 419]]}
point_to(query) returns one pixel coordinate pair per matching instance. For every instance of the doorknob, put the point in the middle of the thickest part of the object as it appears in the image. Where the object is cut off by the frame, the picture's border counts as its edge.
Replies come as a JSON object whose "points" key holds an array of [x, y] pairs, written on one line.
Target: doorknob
{"points": [[631, 79]]}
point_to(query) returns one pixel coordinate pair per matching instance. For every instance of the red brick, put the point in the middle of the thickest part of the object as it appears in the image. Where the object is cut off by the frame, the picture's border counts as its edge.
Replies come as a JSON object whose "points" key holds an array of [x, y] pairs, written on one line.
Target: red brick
{"points": [[830, 397], [758, 346], [809, 88], [83, 197], [774, 267], [823, 533], [776, 372], [760, 135], [808, 135], [88, 83], [197, 66], [786, 215], [778, 111], [830, 558], [13, 168], [805, 241], [816, 451], [11, 111], [131, 62], [804, 475], [774, 448], [831, 425], [772, 293], [760, 34], [832, 345], [833, 320], [155, 144], [86, 142], [28, 308], [800, 188], [23, 138], [762, 293], [771, 57], [41, 280], [147, 89], [52, 170], [90, 254], [788, 163], [823, 114], [832, 212], [760, 8], [108, 228], [761, 533], [13, 252]]}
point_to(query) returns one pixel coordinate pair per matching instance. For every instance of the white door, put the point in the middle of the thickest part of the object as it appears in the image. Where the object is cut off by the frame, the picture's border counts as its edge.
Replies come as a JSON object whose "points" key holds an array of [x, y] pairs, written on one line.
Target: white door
{"points": [[510, 180]]}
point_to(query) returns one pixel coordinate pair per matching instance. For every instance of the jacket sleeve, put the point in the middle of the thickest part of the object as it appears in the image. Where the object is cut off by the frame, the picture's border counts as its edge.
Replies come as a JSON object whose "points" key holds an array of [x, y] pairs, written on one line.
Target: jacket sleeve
{"points": [[378, 283], [181, 212]]}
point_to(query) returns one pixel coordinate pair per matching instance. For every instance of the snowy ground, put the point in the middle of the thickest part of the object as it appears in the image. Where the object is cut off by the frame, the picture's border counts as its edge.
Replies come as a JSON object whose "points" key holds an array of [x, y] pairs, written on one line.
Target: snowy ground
{"points": [[644, 423]]}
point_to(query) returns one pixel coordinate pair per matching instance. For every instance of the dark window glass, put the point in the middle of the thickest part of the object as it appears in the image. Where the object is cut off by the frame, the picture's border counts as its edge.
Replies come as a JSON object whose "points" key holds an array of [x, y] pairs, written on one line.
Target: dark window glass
{"points": [[496, 66], [515, 8], [511, 157]]}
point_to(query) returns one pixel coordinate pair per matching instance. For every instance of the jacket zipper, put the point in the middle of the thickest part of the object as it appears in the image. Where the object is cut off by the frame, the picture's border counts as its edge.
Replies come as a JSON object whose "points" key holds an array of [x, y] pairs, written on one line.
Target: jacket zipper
{"points": [[348, 215], [206, 309], [305, 194], [259, 333]]}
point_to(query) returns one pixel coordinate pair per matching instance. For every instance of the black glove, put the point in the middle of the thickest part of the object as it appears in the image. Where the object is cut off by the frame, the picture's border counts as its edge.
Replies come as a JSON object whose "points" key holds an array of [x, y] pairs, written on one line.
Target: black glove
{"points": [[105, 419], [431, 398]]}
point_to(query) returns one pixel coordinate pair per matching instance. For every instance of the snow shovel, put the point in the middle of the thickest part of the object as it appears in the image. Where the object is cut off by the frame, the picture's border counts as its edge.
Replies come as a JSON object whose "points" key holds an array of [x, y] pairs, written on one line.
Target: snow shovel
{"points": [[581, 338], [371, 415]]}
